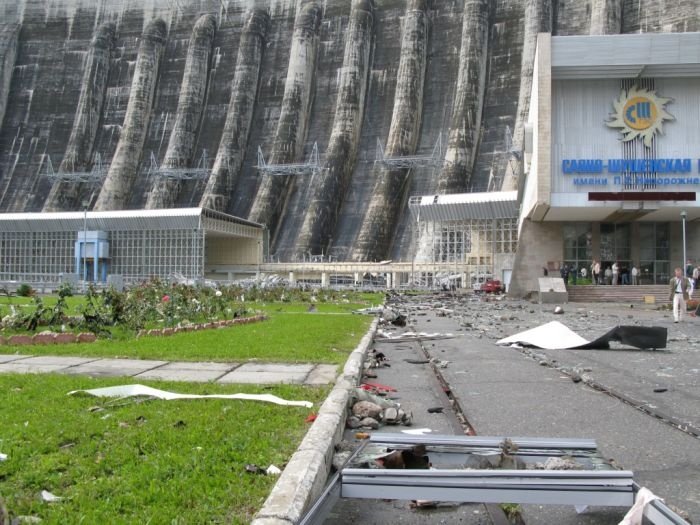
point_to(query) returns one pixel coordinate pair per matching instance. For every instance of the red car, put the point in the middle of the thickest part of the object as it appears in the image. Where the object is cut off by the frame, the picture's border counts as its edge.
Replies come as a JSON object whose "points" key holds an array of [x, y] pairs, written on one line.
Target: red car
{"points": [[492, 286]]}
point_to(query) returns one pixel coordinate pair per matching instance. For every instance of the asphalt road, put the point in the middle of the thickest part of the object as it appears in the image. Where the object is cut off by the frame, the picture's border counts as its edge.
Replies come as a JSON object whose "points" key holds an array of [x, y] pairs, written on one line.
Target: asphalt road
{"points": [[510, 392]]}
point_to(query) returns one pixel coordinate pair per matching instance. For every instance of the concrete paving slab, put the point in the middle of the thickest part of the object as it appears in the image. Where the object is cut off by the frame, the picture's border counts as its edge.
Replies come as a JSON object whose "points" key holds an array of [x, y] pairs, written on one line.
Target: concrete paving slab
{"points": [[181, 374], [276, 368], [322, 375], [200, 365], [6, 358], [114, 367], [264, 378], [57, 360], [19, 368]]}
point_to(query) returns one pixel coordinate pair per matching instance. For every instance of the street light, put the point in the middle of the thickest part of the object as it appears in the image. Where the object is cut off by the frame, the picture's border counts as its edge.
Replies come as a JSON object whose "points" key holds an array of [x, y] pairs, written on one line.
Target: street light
{"points": [[84, 250], [684, 215]]}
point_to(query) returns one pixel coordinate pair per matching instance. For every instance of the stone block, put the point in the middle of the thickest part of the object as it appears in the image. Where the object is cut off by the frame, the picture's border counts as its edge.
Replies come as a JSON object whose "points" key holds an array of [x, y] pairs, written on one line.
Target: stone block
{"points": [[44, 339], [87, 337], [18, 339], [67, 338]]}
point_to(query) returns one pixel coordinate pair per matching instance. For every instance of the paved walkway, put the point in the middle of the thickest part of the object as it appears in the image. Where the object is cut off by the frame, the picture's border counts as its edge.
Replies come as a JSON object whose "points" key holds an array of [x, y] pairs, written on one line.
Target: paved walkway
{"points": [[256, 373]]}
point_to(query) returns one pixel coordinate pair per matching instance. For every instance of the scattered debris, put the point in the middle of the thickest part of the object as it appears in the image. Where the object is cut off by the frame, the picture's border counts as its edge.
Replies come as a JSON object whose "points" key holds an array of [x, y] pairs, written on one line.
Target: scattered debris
{"points": [[636, 513], [558, 463], [369, 422], [386, 337], [254, 469], [413, 458], [660, 390], [435, 410], [558, 310], [362, 435], [48, 497], [127, 391], [417, 361], [272, 470], [555, 335], [311, 418], [3, 457], [364, 409]]}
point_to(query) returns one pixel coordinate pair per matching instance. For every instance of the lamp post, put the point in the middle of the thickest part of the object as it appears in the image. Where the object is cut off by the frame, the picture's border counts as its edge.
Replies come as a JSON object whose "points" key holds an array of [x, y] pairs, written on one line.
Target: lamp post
{"points": [[684, 215], [84, 250]]}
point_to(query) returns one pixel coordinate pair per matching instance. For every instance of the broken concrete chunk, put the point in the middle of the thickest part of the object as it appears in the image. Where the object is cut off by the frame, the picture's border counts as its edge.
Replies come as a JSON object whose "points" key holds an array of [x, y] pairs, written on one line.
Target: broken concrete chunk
{"points": [[369, 422], [391, 416], [363, 409], [352, 422]]}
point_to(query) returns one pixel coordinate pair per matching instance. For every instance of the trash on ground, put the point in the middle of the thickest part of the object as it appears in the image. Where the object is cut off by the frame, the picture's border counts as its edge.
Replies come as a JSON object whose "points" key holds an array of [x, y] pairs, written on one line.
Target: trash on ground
{"points": [[254, 469], [3, 457], [125, 391], [417, 431], [387, 337], [48, 497], [635, 515], [554, 335], [273, 471]]}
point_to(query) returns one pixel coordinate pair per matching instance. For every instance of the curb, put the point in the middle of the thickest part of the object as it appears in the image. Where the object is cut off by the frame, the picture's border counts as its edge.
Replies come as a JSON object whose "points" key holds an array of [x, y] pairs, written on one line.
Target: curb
{"points": [[304, 478]]}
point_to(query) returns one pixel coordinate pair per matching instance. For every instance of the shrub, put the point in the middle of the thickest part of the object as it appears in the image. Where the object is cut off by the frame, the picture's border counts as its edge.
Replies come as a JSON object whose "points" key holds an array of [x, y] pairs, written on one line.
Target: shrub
{"points": [[24, 290]]}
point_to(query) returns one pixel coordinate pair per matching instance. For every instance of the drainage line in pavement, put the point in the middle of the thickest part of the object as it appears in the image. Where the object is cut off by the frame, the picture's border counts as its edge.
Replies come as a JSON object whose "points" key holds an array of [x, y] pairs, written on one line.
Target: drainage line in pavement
{"points": [[641, 406], [496, 513]]}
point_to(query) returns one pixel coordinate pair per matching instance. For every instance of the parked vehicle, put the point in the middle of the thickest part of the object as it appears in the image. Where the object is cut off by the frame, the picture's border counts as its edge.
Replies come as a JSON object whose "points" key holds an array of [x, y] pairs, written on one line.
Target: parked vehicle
{"points": [[492, 286]]}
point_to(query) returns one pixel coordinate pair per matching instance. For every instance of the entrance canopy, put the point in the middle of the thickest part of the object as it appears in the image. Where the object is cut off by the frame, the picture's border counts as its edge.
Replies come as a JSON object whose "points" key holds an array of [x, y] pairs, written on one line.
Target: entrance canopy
{"points": [[465, 206]]}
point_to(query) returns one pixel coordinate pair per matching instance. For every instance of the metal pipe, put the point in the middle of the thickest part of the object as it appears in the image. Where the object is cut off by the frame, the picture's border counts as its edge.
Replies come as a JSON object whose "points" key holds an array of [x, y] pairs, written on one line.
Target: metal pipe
{"points": [[294, 116], [190, 106], [538, 19], [374, 239], [65, 196], [471, 85], [116, 189], [327, 197], [239, 114]]}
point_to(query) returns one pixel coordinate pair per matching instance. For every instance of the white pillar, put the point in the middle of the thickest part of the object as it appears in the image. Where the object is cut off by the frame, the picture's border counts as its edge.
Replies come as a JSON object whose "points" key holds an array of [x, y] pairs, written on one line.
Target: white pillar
{"points": [[324, 280], [292, 280]]}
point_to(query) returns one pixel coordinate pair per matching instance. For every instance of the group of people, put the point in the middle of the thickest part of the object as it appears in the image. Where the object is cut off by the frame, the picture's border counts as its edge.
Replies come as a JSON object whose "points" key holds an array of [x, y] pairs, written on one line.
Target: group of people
{"points": [[681, 290], [613, 274]]}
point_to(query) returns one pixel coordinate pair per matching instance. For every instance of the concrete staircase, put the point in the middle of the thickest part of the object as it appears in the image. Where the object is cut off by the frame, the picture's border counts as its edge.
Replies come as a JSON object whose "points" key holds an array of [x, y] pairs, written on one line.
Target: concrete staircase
{"points": [[618, 294]]}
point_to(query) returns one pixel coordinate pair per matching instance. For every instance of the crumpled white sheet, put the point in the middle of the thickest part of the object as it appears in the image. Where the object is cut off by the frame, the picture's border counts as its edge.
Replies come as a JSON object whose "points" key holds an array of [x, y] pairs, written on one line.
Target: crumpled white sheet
{"points": [[636, 513], [549, 336], [143, 390]]}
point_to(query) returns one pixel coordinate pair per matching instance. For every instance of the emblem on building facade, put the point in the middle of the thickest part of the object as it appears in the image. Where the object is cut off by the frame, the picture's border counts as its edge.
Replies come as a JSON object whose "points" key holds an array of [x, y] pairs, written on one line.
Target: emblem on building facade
{"points": [[639, 112]]}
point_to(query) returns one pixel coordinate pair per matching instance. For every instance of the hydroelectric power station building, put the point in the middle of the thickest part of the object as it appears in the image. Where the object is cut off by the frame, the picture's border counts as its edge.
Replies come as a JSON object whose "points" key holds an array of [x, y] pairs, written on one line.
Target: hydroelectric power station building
{"points": [[612, 169]]}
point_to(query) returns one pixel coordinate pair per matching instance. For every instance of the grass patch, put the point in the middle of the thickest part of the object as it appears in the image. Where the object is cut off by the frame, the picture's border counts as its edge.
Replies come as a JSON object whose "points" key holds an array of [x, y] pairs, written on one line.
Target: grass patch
{"points": [[172, 462], [300, 338]]}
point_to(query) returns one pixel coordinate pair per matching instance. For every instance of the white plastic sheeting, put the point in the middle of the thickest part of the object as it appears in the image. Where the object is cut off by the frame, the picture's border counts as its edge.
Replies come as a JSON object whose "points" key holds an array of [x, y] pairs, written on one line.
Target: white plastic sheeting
{"points": [[124, 391], [548, 336]]}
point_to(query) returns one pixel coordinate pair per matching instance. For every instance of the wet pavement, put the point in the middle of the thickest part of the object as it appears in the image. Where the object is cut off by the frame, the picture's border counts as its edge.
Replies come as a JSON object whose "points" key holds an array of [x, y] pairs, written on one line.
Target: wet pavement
{"points": [[507, 391], [199, 372]]}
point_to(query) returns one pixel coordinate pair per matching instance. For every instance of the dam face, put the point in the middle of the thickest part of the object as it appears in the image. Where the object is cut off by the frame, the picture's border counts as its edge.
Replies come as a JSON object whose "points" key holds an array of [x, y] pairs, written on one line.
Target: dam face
{"points": [[131, 81]]}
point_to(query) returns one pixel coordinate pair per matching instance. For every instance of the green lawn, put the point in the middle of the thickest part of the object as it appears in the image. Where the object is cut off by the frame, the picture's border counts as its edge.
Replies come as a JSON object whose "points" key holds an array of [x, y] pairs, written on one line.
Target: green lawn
{"points": [[169, 462], [286, 336]]}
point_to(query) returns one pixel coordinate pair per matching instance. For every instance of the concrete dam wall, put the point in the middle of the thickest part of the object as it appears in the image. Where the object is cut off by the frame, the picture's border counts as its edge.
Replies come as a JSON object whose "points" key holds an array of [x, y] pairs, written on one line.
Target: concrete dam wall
{"points": [[128, 81]]}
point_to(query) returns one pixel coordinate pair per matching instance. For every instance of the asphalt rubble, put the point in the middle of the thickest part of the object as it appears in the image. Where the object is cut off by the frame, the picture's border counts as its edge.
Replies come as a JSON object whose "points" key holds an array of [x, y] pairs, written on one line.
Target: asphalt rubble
{"points": [[434, 365]]}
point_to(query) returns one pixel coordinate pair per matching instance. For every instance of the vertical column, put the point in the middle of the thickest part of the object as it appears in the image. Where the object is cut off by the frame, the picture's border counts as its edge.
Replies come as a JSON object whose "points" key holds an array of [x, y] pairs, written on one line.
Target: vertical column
{"points": [[324, 280], [471, 84], [117, 187], [9, 36], [606, 17], [538, 19], [190, 106], [292, 279], [239, 114], [294, 115], [374, 239], [65, 196], [322, 213]]}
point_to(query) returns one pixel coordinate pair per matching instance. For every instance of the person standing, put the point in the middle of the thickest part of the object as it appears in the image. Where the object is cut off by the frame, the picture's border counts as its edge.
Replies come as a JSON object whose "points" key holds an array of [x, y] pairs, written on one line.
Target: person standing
{"points": [[679, 287], [596, 272], [635, 275], [615, 272]]}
